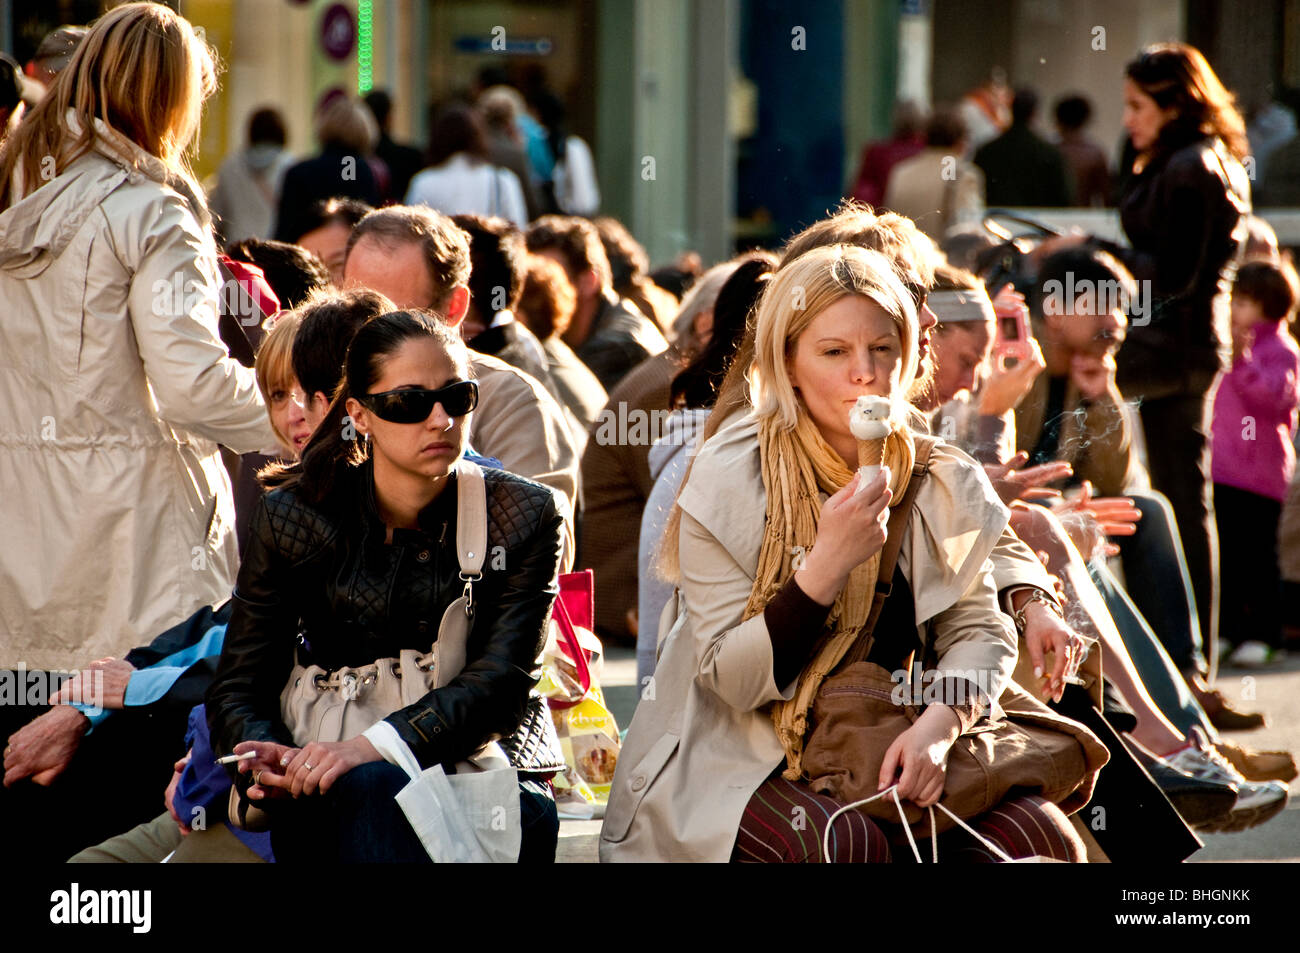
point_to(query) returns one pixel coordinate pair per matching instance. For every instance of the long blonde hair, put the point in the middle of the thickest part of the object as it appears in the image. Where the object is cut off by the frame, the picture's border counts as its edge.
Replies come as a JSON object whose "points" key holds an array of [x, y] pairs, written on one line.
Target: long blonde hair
{"points": [[143, 72], [798, 292]]}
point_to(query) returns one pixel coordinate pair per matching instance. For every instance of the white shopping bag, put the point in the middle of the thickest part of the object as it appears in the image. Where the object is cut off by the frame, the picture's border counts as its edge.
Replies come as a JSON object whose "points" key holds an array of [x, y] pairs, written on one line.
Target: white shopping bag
{"points": [[471, 816]]}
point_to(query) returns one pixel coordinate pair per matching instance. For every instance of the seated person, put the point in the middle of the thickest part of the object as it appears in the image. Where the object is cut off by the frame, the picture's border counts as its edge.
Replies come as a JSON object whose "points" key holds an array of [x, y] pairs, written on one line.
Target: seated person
{"points": [[368, 570], [51, 762], [963, 360], [1075, 413], [418, 258], [739, 668], [609, 333]]}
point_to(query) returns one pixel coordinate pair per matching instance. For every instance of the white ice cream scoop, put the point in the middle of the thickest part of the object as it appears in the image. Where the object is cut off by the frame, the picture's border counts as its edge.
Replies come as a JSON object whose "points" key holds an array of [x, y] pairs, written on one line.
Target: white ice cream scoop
{"points": [[869, 418], [869, 422]]}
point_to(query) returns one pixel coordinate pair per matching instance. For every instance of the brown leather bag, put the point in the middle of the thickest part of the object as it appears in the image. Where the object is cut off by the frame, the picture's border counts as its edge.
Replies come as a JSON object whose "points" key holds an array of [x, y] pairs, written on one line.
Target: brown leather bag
{"points": [[861, 709]]}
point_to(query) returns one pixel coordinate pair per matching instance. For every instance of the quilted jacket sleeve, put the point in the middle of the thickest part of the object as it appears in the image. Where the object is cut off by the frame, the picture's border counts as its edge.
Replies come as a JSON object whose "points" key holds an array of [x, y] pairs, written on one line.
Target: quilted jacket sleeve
{"points": [[244, 698]]}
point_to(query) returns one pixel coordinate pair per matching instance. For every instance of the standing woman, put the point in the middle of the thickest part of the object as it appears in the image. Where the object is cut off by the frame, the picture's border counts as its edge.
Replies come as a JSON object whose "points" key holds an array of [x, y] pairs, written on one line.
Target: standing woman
{"points": [[1185, 211], [115, 388]]}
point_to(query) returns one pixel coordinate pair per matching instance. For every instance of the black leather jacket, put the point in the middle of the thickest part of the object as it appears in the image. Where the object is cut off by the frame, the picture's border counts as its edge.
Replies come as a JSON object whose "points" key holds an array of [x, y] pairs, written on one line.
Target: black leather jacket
{"points": [[326, 572], [1185, 217]]}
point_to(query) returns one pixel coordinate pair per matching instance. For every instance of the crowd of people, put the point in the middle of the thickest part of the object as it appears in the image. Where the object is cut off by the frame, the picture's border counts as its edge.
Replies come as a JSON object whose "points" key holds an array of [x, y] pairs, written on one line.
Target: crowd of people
{"points": [[297, 464]]}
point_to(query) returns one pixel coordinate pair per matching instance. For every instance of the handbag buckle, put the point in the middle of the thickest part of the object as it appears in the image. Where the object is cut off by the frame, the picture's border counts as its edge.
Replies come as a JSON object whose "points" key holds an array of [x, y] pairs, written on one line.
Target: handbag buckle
{"points": [[469, 579]]}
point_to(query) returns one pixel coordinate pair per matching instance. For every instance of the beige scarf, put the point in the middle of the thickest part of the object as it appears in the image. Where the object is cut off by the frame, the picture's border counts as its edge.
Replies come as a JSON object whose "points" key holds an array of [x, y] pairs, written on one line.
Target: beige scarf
{"points": [[798, 464]]}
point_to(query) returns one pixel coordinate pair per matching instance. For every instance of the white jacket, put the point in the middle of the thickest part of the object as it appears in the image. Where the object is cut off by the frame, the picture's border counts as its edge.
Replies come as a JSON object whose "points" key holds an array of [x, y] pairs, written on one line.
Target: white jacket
{"points": [[465, 186], [116, 519]]}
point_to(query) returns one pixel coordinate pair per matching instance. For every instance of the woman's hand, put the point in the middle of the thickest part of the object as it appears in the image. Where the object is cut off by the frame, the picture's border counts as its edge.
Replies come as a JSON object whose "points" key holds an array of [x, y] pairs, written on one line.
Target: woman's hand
{"points": [[318, 765], [1011, 483], [1046, 632], [918, 758], [850, 530], [264, 768], [1091, 521]]}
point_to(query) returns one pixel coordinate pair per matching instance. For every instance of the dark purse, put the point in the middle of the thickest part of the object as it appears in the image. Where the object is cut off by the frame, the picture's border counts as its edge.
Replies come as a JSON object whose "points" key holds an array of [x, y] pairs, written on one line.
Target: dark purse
{"points": [[860, 709]]}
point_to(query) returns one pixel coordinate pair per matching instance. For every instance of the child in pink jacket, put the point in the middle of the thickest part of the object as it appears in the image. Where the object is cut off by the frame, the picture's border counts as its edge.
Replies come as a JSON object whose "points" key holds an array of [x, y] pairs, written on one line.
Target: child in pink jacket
{"points": [[1254, 458]]}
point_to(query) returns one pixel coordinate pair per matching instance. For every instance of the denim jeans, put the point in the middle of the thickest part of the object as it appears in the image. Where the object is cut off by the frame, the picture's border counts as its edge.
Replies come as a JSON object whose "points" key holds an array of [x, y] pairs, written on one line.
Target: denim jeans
{"points": [[1154, 666], [1158, 583], [359, 822]]}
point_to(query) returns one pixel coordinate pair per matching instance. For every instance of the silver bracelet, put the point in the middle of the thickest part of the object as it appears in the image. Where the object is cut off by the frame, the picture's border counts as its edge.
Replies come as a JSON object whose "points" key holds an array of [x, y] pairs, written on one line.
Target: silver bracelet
{"points": [[1035, 595]]}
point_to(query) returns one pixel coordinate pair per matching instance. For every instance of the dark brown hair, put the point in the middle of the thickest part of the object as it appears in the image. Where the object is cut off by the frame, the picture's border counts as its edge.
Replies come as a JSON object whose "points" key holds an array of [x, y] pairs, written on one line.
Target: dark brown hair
{"points": [[1177, 76], [1272, 287]]}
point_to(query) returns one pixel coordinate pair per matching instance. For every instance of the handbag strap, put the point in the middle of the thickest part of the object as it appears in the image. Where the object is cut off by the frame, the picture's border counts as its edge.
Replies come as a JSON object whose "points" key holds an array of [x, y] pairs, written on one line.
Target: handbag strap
{"points": [[892, 791], [471, 522], [893, 545]]}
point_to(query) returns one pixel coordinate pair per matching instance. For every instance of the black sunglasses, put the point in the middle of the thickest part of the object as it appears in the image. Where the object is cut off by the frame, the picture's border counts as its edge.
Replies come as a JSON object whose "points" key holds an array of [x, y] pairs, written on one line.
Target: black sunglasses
{"points": [[414, 405]]}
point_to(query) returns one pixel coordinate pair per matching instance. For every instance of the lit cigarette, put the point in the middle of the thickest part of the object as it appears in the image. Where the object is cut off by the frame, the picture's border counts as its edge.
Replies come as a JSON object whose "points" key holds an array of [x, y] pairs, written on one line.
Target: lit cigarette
{"points": [[234, 758]]}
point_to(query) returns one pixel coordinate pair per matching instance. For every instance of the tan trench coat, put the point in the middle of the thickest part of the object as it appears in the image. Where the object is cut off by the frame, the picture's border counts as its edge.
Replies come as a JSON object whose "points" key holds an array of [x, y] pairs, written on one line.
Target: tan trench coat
{"points": [[702, 741], [115, 389]]}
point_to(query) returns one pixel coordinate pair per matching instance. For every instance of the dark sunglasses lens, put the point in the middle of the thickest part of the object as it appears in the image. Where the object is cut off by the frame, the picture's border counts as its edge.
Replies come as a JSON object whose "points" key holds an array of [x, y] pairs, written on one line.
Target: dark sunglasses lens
{"points": [[415, 406]]}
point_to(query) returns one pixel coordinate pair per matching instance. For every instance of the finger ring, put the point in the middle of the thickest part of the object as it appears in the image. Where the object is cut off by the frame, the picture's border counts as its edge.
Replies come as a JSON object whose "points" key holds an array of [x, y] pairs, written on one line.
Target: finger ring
{"points": [[307, 765], [257, 776]]}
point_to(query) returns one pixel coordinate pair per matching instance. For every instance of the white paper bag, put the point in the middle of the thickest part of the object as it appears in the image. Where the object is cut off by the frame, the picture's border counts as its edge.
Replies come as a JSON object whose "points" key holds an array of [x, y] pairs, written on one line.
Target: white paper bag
{"points": [[471, 816]]}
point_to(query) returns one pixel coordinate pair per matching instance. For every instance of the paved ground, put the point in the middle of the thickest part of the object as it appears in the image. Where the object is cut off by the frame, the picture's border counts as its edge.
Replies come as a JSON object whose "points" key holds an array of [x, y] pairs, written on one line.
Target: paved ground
{"points": [[1276, 692]]}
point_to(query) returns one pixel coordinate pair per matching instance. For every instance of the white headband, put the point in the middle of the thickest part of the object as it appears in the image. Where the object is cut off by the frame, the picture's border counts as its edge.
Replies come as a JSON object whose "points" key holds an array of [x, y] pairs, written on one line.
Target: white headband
{"points": [[954, 307]]}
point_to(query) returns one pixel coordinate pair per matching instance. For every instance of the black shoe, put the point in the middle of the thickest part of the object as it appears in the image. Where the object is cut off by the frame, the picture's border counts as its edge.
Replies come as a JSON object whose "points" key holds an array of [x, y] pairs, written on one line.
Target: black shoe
{"points": [[1199, 801]]}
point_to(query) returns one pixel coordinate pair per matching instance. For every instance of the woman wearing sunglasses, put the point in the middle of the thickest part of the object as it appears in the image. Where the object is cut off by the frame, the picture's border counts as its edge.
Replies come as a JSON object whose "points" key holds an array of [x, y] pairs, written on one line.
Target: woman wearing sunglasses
{"points": [[352, 559]]}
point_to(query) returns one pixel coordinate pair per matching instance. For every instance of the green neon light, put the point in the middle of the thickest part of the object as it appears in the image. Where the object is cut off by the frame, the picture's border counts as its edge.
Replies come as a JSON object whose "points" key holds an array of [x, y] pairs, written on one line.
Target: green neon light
{"points": [[365, 45]]}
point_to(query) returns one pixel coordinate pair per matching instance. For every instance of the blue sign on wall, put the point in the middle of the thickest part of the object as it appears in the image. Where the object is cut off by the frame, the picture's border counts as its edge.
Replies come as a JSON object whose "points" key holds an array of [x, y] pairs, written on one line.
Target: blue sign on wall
{"points": [[519, 46]]}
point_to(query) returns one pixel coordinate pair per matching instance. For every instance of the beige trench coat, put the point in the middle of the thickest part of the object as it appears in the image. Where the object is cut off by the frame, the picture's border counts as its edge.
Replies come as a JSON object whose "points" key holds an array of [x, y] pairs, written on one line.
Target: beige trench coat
{"points": [[702, 741], [115, 389]]}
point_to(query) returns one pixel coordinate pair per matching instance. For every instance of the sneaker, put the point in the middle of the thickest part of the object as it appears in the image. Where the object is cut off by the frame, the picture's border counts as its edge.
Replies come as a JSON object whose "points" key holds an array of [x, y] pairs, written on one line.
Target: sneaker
{"points": [[1257, 802], [1253, 654], [1199, 760], [1258, 765], [1221, 714], [1197, 801]]}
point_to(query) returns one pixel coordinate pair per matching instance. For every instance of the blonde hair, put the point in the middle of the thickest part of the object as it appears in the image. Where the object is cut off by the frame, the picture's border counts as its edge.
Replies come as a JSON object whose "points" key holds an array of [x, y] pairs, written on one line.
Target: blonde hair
{"points": [[348, 123], [274, 364], [797, 294], [143, 72]]}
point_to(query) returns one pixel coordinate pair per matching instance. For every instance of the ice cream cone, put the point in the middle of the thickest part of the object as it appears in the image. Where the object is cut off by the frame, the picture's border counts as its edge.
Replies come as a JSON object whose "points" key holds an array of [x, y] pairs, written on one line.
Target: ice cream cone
{"points": [[871, 453]]}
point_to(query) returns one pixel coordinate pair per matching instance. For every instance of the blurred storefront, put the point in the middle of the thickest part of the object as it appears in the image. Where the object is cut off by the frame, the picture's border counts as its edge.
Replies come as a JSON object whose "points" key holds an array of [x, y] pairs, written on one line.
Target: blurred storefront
{"points": [[714, 123]]}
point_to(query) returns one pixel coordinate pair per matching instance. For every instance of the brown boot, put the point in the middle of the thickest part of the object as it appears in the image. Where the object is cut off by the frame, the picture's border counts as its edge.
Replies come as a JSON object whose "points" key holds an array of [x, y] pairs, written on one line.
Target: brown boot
{"points": [[1259, 765]]}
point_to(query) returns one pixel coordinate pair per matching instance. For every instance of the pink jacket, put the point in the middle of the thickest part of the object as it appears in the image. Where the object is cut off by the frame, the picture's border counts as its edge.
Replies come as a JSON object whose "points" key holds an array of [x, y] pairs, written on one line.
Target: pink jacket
{"points": [[1255, 416]]}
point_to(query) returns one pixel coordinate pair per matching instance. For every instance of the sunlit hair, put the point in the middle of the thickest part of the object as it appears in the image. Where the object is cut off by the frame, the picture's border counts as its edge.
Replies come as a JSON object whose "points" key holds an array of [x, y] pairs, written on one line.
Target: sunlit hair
{"points": [[797, 294], [702, 296], [274, 366], [895, 236], [348, 124], [143, 71], [1177, 76]]}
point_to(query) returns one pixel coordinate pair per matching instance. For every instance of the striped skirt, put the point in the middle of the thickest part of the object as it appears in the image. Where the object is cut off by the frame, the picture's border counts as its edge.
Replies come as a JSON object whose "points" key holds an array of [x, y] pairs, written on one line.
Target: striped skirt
{"points": [[785, 823]]}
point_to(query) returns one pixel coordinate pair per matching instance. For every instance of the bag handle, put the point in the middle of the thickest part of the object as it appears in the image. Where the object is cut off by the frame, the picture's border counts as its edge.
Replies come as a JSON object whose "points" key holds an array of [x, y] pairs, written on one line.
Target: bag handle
{"points": [[907, 829], [898, 518]]}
